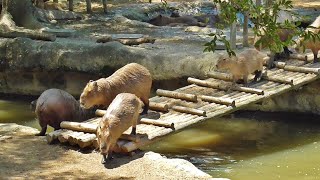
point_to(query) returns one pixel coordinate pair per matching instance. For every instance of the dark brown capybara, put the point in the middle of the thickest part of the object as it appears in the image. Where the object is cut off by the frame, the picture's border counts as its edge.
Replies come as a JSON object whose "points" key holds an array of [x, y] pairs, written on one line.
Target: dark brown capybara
{"points": [[54, 106]]}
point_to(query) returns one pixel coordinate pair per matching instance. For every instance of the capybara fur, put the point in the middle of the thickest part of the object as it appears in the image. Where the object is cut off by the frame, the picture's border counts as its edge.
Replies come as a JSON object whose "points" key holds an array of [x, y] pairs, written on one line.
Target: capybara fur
{"points": [[47, 5], [132, 78], [54, 106], [313, 44], [122, 113], [162, 20], [284, 35], [241, 66]]}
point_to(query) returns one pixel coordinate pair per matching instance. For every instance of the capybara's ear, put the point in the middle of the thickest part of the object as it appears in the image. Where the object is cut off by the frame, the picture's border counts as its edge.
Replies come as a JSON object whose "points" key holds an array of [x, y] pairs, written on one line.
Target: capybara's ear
{"points": [[95, 84]]}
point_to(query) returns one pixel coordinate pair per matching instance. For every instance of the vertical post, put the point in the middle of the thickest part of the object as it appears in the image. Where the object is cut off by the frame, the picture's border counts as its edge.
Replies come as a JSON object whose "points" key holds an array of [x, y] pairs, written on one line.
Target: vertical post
{"points": [[233, 35], [88, 6], [258, 3], [70, 5], [104, 3], [245, 29]]}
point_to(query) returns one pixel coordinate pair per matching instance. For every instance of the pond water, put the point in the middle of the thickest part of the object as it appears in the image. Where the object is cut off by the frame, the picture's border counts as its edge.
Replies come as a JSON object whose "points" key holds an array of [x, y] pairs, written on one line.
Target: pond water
{"points": [[250, 145]]}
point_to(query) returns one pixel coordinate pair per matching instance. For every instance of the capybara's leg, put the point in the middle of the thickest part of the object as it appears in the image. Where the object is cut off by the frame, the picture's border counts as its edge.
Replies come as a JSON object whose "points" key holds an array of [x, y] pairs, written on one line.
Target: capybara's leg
{"points": [[134, 129], [258, 75], [146, 106], [245, 79], [271, 64], [315, 56], [43, 130], [286, 51]]}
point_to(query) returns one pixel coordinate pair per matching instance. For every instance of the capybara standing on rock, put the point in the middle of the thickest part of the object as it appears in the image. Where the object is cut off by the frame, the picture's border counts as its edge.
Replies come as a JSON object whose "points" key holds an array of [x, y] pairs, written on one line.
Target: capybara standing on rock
{"points": [[55, 105], [122, 113], [241, 66], [313, 44], [132, 78]]}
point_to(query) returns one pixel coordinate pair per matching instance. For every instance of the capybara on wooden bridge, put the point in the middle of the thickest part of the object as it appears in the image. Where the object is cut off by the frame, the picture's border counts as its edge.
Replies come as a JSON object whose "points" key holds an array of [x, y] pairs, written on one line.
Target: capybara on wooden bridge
{"points": [[172, 111]]}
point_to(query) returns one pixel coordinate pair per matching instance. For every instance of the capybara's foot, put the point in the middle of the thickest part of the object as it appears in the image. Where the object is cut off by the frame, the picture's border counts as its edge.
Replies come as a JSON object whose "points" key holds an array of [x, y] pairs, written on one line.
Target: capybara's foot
{"points": [[104, 159], [270, 63], [40, 134]]}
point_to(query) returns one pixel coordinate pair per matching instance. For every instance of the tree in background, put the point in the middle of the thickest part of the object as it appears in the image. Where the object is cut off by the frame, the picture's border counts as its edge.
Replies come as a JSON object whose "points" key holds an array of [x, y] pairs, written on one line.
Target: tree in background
{"points": [[266, 23]]}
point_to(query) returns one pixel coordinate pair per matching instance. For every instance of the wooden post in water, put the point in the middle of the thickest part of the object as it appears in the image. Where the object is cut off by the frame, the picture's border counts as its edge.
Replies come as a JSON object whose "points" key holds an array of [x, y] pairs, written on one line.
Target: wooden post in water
{"points": [[70, 5], [245, 41], [88, 6], [104, 3]]}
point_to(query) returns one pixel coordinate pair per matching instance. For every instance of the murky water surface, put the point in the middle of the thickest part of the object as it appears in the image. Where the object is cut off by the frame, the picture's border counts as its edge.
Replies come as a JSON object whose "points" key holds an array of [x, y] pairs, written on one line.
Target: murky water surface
{"points": [[251, 145]]}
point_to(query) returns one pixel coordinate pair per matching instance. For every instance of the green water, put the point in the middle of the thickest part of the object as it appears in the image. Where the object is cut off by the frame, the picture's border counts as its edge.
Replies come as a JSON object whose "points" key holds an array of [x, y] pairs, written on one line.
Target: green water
{"points": [[251, 145]]}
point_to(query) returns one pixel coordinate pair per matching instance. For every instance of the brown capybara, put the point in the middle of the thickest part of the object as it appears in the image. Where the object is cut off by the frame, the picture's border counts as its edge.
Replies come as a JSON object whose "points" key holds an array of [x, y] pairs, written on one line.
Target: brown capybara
{"points": [[54, 106], [132, 78], [241, 66], [284, 35], [122, 113], [47, 5], [161, 20], [313, 44]]}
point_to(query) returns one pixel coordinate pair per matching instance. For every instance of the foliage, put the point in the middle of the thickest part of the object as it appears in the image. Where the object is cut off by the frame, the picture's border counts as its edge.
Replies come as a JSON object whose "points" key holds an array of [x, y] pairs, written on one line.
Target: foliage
{"points": [[266, 23]]}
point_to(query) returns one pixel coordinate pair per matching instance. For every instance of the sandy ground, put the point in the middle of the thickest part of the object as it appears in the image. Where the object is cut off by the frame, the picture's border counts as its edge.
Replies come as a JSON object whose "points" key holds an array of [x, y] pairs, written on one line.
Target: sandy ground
{"points": [[25, 156]]}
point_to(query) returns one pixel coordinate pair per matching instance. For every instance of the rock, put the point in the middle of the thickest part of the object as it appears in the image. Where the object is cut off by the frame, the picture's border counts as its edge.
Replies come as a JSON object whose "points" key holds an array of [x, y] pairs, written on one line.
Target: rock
{"points": [[9, 129], [180, 165], [304, 100], [33, 66]]}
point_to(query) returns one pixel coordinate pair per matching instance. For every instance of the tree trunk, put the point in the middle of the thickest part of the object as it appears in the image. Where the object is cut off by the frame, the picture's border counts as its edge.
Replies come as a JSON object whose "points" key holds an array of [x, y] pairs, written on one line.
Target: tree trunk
{"points": [[22, 12]]}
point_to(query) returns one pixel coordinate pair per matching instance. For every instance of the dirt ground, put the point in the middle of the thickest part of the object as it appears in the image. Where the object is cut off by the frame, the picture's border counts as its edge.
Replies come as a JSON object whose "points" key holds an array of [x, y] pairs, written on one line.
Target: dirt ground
{"points": [[25, 156]]}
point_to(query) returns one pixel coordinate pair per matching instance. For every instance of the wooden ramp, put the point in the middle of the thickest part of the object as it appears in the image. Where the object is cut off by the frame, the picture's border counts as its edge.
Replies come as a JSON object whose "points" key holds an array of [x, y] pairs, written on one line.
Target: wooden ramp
{"points": [[200, 101]]}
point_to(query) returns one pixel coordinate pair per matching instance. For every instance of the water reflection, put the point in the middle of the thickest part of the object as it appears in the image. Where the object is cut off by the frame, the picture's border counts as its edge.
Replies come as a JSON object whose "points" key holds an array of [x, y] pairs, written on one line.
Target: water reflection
{"points": [[234, 147]]}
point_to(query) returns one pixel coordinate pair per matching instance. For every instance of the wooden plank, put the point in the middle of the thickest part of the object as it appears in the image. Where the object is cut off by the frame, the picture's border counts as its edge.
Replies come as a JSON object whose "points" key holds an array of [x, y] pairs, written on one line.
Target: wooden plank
{"points": [[158, 106], [276, 79], [189, 110], [177, 95], [298, 68], [218, 100], [86, 140], [219, 86], [53, 135], [75, 126], [157, 123]]}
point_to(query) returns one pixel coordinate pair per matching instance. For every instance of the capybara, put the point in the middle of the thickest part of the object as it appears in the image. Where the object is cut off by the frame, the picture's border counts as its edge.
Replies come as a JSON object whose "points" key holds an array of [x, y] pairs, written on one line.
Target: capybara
{"points": [[122, 113], [284, 35], [54, 106], [47, 5], [162, 20], [132, 78], [313, 44], [241, 66]]}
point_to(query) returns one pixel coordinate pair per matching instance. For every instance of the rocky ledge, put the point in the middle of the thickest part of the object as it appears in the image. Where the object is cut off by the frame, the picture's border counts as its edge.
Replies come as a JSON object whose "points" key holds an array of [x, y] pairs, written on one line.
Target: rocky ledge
{"points": [[25, 155]]}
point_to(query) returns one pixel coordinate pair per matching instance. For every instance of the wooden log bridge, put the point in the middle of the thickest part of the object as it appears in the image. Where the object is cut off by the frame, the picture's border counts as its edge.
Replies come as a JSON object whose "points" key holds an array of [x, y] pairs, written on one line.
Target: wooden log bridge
{"points": [[204, 99]]}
